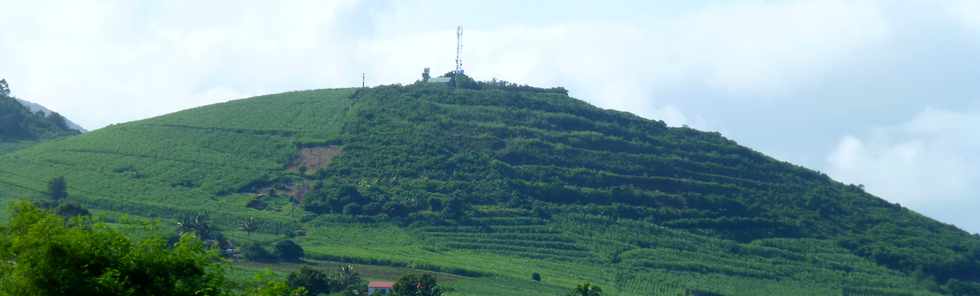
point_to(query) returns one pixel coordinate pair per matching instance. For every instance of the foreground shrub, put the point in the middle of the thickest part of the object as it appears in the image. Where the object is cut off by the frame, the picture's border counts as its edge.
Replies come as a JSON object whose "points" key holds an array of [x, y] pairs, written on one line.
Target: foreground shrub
{"points": [[418, 285], [44, 255]]}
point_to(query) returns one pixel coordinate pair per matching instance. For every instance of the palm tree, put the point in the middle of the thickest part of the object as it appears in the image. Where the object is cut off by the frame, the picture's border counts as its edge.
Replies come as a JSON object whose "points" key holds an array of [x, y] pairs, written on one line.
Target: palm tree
{"points": [[197, 224], [249, 226], [347, 276], [586, 289]]}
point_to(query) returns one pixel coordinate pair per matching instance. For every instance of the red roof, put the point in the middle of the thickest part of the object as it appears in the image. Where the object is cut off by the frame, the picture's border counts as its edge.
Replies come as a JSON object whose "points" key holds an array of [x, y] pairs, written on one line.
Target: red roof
{"points": [[380, 284]]}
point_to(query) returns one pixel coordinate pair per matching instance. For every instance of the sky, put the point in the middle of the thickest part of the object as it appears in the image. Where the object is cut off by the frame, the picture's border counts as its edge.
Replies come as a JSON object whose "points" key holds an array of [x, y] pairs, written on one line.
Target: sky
{"points": [[880, 93]]}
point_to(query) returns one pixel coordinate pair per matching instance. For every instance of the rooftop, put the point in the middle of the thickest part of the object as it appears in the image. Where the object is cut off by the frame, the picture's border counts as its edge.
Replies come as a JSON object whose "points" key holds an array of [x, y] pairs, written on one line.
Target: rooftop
{"points": [[380, 284]]}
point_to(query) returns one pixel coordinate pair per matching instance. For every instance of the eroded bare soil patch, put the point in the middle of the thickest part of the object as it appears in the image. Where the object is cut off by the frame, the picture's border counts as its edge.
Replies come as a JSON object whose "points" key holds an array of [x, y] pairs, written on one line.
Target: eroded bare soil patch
{"points": [[312, 159]]}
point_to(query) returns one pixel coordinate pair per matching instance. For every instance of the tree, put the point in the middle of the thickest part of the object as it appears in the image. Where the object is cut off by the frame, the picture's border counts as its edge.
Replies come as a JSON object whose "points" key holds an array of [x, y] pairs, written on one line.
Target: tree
{"points": [[417, 285], [197, 224], [586, 289], [268, 286], [394, 209], [346, 278], [332, 198], [314, 281], [425, 74], [435, 204], [256, 252], [58, 120], [536, 277], [57, 189], [288, 250], [541, 212], [460, 80], [71, 209], [4, 88], [352, 209], [249, 225], [455, 208], [957, 287], [256, 203], [42, 254]]}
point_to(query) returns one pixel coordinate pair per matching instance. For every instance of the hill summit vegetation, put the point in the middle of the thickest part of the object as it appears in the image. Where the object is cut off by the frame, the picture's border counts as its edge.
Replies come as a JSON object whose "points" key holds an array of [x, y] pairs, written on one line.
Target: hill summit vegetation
{"points": [[504, 189], [18, 123]]}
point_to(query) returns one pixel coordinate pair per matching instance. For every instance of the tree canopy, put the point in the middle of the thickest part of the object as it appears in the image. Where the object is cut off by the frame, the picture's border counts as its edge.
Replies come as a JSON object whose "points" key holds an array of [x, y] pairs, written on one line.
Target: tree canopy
{"points": [[17, 122], [4, 88], [586, 289], [43, 255], [417, 285], [58, 189], [288, 250]]}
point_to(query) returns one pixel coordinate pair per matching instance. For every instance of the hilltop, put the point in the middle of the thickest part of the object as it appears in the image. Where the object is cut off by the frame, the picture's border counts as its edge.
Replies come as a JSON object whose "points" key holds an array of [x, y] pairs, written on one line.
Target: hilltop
{"points": [[492, 182]]}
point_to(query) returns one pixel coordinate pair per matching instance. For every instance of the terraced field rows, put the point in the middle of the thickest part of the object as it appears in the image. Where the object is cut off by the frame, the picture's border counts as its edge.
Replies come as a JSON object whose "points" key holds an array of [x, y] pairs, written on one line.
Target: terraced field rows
{"points": [[508, 233], [184, 163]]}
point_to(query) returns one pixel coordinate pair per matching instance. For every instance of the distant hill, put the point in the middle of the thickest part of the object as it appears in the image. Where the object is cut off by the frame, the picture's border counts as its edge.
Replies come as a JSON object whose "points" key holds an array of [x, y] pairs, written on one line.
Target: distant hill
{"points": [[24, 121], [34, 108], [494, 182]]}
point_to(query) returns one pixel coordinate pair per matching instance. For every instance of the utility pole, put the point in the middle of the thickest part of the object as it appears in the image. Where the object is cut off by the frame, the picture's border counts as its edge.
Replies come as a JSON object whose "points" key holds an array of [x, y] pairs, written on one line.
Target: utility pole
{"points": [[363, 77]]}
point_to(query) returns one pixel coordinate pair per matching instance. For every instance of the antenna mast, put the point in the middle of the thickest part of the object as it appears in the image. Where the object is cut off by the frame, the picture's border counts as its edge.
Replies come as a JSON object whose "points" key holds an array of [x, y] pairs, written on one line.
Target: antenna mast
{"points": [[459, 50]]}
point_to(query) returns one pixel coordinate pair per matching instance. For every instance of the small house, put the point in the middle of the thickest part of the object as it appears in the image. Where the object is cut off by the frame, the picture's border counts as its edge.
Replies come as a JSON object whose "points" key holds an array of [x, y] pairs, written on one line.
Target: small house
{"points": [[380, 288], [442, 79]]}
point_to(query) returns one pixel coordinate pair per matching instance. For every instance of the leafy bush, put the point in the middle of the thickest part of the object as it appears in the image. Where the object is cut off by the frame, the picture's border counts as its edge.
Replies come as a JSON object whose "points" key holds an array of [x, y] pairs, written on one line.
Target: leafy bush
{"points": [[256, 252], [57, 189], [71, 209], [42, 255], [314, 281], [586, 289], [417, 285], [352, 209], [288, 250], [270, 287]]}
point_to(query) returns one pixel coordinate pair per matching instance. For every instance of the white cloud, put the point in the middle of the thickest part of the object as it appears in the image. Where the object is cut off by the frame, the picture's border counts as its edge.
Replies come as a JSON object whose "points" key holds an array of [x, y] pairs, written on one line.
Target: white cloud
{"points": [[928, 163], [100, 62], [766, 47]]}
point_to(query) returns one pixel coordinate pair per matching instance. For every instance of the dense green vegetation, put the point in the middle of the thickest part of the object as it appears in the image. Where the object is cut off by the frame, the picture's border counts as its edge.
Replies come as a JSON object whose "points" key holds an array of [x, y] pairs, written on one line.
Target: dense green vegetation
{"points": [[417, 285], [346, 281], [45, 254], [494, 183], [586, 289], [19, 124]]}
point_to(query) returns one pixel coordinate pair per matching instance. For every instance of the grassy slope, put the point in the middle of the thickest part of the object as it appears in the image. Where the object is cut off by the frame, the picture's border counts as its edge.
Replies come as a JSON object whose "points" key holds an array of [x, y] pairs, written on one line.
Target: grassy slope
{"points": [[7, 147], [181, 163], [496, 144]]}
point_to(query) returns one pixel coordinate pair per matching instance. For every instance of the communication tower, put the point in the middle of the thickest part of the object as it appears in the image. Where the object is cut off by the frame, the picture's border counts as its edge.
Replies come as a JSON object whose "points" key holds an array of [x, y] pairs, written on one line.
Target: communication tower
{"points": [[459, 51]]}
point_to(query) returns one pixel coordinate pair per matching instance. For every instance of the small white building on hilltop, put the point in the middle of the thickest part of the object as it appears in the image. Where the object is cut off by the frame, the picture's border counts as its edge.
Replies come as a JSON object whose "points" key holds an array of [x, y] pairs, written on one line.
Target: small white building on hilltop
{"points": [[439, 80]]}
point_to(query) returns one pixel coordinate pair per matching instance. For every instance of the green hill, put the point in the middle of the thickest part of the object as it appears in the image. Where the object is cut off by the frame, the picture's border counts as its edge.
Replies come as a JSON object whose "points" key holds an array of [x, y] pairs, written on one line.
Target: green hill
{"points": [[20, 126], [492, 183]]}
